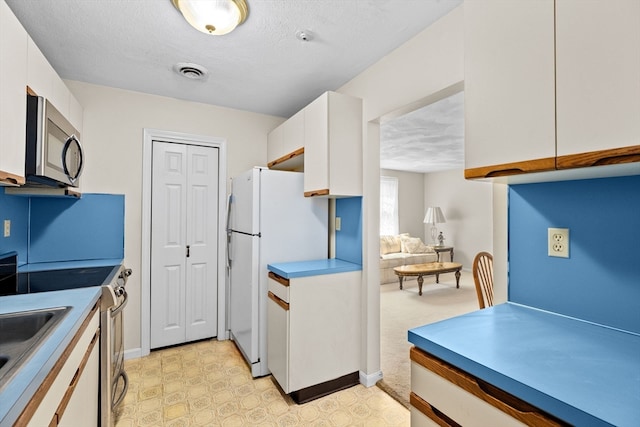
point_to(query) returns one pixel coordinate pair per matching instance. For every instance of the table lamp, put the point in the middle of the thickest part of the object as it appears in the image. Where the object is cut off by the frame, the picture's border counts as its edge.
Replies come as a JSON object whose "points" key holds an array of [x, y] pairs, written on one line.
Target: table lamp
{"points": [[434, 216]]}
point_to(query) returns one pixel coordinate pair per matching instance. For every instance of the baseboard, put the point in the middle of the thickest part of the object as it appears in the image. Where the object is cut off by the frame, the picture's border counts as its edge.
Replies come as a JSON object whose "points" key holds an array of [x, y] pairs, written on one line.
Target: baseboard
{"points": [[133, 353], [369, 380]]}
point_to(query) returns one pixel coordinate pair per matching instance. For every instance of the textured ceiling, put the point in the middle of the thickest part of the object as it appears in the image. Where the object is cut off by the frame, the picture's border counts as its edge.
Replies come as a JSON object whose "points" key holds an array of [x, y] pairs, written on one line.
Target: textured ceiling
{"points": [[260, 67], [430, 139]]}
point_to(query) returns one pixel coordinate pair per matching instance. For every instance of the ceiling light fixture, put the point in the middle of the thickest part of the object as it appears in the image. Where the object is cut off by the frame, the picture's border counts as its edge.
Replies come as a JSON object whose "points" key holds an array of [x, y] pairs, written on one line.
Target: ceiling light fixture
{"points": [[216, 17]]}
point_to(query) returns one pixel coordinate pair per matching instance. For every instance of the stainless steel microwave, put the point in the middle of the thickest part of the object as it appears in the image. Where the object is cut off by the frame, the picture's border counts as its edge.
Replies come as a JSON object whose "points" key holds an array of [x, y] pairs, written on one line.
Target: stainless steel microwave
{"points": [[54, 156]]}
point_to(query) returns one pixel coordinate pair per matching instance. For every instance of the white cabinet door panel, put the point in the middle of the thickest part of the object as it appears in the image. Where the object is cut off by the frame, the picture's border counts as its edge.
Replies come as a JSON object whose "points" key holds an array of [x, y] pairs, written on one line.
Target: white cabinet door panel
{"points": [[509, 82], [598, 75]]}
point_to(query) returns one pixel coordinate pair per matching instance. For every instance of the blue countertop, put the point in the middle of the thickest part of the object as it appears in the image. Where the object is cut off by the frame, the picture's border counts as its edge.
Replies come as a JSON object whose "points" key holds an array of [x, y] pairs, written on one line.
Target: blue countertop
{"points": [[64, 265], [291, 270], [17, 392], [580, 372]]}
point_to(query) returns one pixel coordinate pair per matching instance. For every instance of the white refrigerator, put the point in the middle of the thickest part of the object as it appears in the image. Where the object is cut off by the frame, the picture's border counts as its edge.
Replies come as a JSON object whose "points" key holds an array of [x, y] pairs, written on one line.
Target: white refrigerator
{"points": [[269, 221]]}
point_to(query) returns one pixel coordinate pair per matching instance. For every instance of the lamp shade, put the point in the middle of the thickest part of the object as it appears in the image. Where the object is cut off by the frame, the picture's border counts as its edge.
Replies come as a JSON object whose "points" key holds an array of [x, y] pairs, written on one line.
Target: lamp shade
{"points": [[216, 17], [434, 216]]}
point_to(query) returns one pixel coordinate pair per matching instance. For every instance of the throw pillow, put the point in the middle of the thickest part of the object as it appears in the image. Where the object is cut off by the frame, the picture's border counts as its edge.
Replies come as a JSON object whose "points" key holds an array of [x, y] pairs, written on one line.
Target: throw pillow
{"points": [[414, 245], [389, 244]]}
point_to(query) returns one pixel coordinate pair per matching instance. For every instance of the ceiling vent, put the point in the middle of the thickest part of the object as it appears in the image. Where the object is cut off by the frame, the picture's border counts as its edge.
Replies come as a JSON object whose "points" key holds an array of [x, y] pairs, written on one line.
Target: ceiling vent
{"points": [[191, 71]]}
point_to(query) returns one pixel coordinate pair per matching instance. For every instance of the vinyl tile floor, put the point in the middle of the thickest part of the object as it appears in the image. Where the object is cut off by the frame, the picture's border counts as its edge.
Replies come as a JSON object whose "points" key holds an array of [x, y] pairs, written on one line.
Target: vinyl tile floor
{"points": [[208, 383]]}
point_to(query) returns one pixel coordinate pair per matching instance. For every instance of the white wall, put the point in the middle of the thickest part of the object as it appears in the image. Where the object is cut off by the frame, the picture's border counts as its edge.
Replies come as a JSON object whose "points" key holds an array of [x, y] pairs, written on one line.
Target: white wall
{"points": [[410, 201], [114, 120], [421, 69], [468, 209]]}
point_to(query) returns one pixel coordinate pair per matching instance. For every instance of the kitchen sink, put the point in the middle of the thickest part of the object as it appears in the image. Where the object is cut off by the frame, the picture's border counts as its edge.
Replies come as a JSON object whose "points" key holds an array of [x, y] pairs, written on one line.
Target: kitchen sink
{"points": [[21, 334]]}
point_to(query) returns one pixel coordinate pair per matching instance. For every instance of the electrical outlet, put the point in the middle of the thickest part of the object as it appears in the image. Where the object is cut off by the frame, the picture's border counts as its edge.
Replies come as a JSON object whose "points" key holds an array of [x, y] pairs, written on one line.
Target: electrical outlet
{"points": [[7, 227], [338, 223], [558, 241]]}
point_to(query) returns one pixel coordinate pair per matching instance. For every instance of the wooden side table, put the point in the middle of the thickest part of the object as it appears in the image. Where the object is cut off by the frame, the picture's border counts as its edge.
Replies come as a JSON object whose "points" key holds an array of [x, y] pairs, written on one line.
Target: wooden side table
{"points": [[440, 249]]}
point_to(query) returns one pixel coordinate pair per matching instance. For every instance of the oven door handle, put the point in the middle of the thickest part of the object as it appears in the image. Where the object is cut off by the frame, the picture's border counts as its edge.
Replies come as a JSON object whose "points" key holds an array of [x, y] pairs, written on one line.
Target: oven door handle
{"points": [[125, 378], [119, 308]]}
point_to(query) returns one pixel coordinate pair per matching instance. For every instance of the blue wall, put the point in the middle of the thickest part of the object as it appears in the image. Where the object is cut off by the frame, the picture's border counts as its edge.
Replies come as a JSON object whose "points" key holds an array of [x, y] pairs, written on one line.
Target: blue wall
{"points": [[349, 238], [15, 209], [600, 282], [51, 229]]}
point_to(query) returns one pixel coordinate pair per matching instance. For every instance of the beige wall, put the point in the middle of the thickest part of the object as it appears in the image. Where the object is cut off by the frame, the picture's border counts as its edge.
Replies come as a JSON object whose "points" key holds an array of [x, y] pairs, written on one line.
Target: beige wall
{"points": [[114, 120], [415, 73], [468, 209], [410, 201]]}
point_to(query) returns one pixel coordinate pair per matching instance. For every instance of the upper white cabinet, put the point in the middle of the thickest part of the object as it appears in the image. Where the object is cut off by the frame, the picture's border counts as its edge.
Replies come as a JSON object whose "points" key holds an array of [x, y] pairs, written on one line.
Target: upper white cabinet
{"points": [[13, 109], [550, 85], [333, 146], [598, 81], [23, 65], [509, 87], [285, 144], [43, 80]]}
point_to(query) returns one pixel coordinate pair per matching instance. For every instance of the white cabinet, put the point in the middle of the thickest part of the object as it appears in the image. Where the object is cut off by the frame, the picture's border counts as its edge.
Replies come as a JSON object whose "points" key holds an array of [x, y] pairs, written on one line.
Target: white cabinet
{"points": [[313, 331], [23, 65], [550, 85], [509, 87], [446, 395], [333, 146], [598, 80], [13, 110], [43, 80], [285, 144], [69, 395]]}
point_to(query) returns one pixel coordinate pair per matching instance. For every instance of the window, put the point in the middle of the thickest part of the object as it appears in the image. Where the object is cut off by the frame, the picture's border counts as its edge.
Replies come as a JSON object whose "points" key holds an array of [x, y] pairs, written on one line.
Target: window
{"points": [[388, 205]]}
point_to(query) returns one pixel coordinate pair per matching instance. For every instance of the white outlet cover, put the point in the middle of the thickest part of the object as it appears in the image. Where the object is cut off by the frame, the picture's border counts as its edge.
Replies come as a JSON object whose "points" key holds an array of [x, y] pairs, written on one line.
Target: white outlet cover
{"points": [[558, 242]]}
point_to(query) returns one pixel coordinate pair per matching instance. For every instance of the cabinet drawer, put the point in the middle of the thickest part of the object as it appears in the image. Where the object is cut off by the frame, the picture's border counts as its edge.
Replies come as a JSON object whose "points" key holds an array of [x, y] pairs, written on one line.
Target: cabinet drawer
{"points": [[279, 286], [468, 400]]}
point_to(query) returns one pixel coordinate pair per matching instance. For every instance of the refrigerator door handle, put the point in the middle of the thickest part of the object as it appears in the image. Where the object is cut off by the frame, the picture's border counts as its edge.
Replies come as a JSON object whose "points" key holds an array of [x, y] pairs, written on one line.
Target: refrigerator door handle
{"points": [[228, 232]]}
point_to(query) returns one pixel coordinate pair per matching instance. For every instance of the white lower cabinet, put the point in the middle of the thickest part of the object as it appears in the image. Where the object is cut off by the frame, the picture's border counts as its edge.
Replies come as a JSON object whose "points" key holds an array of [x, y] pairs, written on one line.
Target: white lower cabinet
{"points": [[313, 332], [447, 396], [69, 395]]}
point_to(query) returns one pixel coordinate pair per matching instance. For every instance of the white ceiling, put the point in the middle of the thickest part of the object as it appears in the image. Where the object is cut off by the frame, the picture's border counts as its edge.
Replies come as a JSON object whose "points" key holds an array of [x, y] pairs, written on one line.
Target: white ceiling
{"points": [[260, 67]]}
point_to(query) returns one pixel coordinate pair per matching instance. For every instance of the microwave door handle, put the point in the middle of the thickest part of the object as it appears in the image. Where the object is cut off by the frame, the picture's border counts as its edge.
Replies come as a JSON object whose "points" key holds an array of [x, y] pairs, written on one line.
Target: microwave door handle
{"points": [[80, 161]]}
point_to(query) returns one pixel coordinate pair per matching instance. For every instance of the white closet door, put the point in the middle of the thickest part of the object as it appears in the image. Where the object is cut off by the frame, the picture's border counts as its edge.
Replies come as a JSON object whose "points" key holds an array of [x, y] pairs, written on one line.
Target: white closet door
{"points": [[183, 243], [202, 238]]}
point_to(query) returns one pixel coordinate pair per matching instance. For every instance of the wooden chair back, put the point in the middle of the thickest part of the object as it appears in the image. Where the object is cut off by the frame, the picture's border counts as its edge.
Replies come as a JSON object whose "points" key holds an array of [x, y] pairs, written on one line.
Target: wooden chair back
{"points": [[483, 277]]}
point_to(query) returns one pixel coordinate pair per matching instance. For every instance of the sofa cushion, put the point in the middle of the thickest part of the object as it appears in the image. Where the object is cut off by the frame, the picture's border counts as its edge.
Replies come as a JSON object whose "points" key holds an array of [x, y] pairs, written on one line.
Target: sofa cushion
{"points": [[397, 259], [414, 245], [392, 243], [389, 244]]}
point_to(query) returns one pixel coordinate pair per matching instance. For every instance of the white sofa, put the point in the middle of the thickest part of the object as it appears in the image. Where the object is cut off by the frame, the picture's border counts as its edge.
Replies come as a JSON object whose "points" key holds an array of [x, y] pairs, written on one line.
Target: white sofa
{"points": [[402, 249]]}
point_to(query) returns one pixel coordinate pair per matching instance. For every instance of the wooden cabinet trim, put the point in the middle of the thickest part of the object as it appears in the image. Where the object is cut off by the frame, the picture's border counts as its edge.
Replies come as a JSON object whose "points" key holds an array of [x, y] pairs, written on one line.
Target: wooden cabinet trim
{"points": [[11, 179], [323, 192], [430, 412], [286, 157], [281, 303], [613, 156], [33, 404], [279, 279], [67, 396], [496, 397], [507, 169]]}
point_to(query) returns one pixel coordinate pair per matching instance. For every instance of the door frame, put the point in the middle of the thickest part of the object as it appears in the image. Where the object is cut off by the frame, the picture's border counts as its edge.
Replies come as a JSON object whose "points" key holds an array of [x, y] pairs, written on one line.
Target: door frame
{"points": [[151, 135]]}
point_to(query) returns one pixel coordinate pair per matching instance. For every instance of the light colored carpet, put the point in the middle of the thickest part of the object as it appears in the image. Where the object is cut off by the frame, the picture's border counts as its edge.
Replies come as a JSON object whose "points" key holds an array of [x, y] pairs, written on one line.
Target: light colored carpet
{"points": [[401, 310]]}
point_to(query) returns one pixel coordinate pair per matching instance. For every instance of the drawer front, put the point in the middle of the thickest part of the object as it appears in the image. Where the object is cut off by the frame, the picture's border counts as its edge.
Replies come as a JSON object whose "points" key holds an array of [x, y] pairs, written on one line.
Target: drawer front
{"points": [[279, 286], [458, 404], [418, 419], [469, 400]]}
